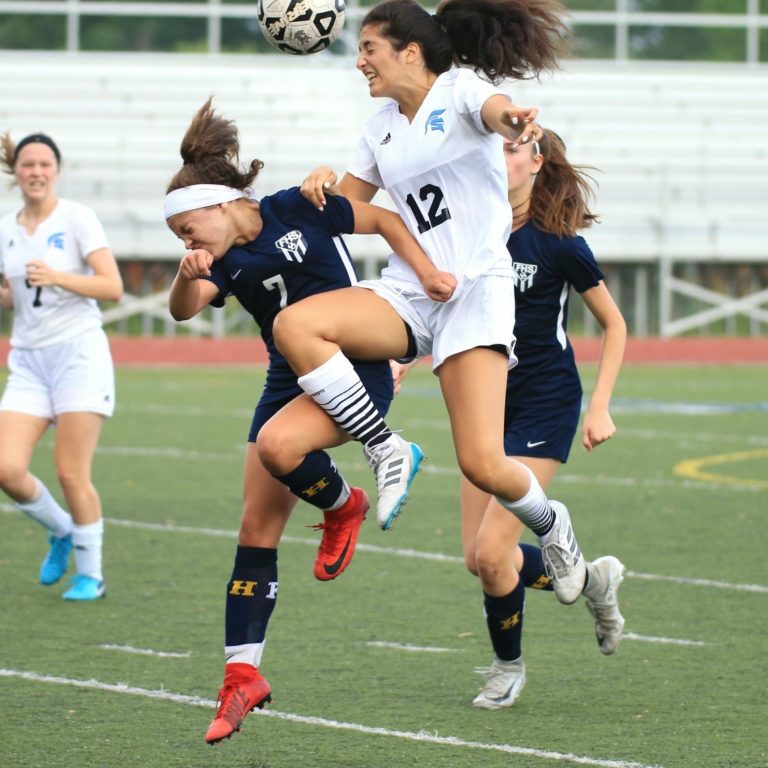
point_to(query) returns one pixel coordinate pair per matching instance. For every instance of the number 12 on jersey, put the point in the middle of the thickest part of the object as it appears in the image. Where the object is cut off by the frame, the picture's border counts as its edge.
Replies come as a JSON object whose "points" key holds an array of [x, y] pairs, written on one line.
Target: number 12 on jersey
{"points": [[435, 213]]}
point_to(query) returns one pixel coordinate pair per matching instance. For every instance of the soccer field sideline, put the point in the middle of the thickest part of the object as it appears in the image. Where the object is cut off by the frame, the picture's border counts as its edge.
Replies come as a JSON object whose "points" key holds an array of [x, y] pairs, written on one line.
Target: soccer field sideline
{"points": [[420, 736]]}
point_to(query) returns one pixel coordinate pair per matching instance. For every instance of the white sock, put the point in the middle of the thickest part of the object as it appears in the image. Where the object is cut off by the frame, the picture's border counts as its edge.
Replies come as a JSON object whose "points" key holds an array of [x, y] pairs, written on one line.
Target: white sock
{"points": [[533, 508], [43, 508], [337, 389], [87, 540], [594, 589], [248, 653], [343, 496]]}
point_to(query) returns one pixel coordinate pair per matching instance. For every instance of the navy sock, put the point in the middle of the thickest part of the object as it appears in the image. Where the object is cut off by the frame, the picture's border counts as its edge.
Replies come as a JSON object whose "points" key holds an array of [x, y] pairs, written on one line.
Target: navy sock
{"points": [[533, 574], [504, 616], [251, 595], [316, 480]]}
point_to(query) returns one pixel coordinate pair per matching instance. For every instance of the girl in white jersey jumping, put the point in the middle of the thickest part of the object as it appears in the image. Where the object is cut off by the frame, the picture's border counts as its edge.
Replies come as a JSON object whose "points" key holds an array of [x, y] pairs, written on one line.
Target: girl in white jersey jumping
{"points": [[436, 147], [56, 264]]}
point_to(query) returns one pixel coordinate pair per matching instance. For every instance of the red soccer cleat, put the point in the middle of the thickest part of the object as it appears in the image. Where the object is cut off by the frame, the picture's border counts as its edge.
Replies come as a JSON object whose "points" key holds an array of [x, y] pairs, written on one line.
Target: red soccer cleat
{"points": [[340, 531], [244, 689]]}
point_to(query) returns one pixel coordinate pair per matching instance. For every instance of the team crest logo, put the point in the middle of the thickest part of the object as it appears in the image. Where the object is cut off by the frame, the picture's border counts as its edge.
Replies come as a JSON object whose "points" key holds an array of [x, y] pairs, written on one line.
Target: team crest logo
{"points": [[523, 275], [293, 245], [56, 240], [435, 122]]}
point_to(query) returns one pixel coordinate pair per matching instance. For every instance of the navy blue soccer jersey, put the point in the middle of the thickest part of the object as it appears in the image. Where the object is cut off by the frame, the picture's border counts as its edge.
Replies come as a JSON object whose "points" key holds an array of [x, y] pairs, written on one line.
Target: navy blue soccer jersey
{"points": [[299, 252], [545, 267]]}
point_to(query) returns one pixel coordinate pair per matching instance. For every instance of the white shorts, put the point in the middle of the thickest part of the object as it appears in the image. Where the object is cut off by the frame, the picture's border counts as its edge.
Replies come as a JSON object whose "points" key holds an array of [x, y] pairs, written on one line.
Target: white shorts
{"points": [[72, 376], [480, 314]]}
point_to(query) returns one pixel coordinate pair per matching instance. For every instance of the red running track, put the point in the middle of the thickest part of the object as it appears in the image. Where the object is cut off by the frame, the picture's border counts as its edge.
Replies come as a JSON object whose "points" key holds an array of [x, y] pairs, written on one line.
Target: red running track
{"points": [[153, 350]]}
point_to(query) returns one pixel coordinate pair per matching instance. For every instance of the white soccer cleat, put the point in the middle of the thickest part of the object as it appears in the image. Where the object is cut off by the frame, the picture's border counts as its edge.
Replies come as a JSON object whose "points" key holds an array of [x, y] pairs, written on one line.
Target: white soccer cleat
{"points": [[504, 682], [395, 463], [605, 577], [562, 557]]}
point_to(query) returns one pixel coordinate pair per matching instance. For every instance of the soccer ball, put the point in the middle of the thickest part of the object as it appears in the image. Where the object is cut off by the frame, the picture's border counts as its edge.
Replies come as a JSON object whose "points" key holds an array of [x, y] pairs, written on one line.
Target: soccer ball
{"points": [[301, 26]]}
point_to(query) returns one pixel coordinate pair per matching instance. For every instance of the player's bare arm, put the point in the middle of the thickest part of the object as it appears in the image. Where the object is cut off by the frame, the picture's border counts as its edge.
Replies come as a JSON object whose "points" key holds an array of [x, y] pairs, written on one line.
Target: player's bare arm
{"points": [[372, 219], [189, 295], [512, 122]]}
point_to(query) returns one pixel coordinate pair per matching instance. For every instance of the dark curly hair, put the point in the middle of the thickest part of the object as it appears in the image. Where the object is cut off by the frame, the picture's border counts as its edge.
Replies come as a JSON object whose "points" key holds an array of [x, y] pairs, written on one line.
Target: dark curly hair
{"points": [[518, 39]]}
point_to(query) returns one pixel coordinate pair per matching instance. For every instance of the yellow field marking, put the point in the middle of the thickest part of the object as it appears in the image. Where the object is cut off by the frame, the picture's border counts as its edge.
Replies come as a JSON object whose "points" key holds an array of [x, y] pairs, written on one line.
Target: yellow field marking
{"points": [[693, 468]]}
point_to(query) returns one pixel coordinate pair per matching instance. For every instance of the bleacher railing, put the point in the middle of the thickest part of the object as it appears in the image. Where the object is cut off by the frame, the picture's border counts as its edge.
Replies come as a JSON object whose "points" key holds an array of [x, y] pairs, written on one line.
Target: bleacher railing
{"points": [[681, 148], [609, 30]]}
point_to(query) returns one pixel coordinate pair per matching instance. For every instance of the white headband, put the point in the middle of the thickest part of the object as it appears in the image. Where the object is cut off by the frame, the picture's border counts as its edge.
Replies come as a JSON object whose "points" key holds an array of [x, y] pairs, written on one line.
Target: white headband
{"points": [[200, 196]]}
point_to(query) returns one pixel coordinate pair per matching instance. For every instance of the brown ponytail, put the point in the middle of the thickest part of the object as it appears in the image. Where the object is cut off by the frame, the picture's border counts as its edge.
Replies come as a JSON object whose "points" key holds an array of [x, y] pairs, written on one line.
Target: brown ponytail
{"points": [[562, 193], [210, 153]]}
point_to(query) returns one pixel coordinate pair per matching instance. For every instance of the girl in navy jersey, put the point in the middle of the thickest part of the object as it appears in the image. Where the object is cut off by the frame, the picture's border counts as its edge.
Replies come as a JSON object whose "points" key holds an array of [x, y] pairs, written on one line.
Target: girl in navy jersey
{"points": [[436, 147], [269, 254], [56, 265], [549, 199]]}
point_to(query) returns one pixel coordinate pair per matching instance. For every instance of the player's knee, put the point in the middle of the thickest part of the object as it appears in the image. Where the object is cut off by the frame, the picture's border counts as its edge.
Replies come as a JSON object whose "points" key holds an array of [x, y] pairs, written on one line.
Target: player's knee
{"points": [[289, 326], [72, 480], [470, 561], [491, 560], [480, 472], [274, 451], [11, 477]]}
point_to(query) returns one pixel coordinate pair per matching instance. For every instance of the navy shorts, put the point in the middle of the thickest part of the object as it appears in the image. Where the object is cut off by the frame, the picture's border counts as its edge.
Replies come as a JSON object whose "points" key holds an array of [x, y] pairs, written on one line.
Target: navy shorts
{"points": [[545, 433], [376, 377]]}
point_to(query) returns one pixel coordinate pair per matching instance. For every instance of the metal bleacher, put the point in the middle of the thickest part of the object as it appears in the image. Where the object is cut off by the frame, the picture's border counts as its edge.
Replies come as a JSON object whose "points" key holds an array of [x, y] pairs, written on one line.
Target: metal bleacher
{"points": [[681, 149], [119, 122]]}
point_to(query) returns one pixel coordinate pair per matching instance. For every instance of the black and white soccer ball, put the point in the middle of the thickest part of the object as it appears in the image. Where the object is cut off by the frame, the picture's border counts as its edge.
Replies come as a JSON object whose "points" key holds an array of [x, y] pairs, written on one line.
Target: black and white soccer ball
{"points": [[301, 26]]}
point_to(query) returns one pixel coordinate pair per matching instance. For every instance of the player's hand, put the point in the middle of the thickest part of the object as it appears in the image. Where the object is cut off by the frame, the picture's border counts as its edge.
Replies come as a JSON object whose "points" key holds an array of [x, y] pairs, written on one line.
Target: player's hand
{"points": [[317, 183], [39, 274], [439, 286], [398, 373], [522, 125], [598, 427], [196, 264]]}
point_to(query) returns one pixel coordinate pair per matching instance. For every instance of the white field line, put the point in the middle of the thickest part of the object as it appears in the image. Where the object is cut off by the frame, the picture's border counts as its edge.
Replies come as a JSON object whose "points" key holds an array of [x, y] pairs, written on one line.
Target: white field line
{"points": [[695, 437], [420, 736], [637, 433], [699, 582], [442, 425], [144, 651], [408, 647], [665, 640], [625, 636], [400, 552], [184, 454], [185, 411]]}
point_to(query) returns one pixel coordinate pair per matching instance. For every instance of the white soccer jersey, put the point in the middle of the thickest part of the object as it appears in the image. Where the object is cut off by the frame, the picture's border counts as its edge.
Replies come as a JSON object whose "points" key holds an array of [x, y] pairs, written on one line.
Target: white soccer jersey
{"points": [[49, 315], [446, 174]]}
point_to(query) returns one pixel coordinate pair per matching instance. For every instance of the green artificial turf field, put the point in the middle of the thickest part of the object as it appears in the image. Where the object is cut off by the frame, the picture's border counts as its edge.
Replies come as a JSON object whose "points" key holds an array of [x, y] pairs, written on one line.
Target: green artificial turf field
{"points": [[376, 669]]}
